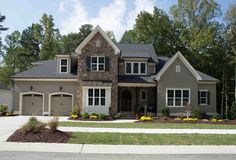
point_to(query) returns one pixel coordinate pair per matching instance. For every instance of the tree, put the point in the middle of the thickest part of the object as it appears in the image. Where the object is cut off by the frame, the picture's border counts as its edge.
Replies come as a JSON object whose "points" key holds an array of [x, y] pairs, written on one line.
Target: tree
{"points": [[2, 28], [84, 31], [111, 35], [129, 36], [50, 38]]}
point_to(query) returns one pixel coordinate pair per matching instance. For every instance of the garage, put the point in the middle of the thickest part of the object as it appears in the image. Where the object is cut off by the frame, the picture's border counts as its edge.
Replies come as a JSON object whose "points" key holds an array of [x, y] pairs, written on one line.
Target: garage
{"points": [[32, 104], [61, 104]]}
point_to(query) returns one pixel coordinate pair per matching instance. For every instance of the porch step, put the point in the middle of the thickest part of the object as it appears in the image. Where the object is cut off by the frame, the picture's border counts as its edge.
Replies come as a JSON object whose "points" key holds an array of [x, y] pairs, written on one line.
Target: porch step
{"points": [[128, 115]]}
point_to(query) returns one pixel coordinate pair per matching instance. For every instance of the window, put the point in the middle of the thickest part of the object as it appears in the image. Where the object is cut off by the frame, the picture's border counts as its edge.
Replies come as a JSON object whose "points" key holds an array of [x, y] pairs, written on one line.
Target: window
{"points": [[203, 97], [135, 67], [96, 97], [63, 65], [143, 95], [98, 63], [177, 68], [177, 97], [98, 43]]}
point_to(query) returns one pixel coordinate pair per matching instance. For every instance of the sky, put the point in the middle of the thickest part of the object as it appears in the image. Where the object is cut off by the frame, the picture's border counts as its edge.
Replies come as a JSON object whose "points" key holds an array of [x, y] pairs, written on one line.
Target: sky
{"points": [[69, 15]]}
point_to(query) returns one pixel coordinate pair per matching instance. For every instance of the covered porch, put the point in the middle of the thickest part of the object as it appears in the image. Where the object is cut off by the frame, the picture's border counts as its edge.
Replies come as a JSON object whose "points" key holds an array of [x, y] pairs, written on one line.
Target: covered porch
{"points": [[134, 98]]}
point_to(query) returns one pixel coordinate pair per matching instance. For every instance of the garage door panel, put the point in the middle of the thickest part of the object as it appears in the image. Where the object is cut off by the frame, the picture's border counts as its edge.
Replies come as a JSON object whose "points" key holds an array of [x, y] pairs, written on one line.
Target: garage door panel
{"points": [[32, 104], [61, 104]]}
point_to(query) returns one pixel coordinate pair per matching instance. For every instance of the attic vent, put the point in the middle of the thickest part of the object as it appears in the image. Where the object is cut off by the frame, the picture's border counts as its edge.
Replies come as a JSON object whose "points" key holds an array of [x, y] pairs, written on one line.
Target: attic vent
{"points": [[98, 43], [177, 68]]}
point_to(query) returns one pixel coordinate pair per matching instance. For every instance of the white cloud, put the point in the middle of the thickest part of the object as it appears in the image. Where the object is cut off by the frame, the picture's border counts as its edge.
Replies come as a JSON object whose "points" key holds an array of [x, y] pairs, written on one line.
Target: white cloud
{"points": [[115, 16], [61, 6]]}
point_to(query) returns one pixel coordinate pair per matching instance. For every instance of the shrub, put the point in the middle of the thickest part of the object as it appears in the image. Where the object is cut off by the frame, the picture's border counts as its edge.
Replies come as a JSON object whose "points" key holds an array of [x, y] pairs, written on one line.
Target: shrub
{"points": [[145, 118], [94, 114], [103, 116], [85, 115], [198, 113], [53, 124], [215, 116], [233, 110], [74, 110], [3, 109], [33, 125], [118, 116], [93, 117], [165, 111]]}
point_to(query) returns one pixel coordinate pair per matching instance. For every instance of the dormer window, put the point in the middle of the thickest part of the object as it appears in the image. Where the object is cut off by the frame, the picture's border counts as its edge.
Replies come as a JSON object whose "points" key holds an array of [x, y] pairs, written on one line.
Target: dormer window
{"points": [[64, 65], [136, 68]]}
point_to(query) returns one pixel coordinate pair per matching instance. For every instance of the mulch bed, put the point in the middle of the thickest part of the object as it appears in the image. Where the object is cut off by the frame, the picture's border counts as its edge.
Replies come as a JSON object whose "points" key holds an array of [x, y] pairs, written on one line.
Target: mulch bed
{"points": [[44, 135], [89, 119]]}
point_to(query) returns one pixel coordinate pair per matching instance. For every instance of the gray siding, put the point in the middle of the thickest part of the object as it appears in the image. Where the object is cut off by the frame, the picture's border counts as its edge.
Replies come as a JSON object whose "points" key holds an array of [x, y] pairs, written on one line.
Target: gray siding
{"points": [[42, 87], [182, 79]]}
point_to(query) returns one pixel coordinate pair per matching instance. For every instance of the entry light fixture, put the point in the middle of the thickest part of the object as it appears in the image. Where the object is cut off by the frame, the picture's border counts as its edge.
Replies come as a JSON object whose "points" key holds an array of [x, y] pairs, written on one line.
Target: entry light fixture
{"points": [[60, 88], [31, 88]]}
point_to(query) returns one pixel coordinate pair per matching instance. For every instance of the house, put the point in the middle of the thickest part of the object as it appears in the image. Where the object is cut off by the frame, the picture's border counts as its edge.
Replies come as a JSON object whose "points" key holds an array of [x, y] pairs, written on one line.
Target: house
{"points": [[6, 96], [104, 77]]}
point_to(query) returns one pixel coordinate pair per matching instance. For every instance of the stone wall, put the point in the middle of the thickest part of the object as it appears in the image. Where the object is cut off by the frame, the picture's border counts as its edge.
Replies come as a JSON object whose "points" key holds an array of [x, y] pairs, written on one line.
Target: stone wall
{"points": [[85, 74]]}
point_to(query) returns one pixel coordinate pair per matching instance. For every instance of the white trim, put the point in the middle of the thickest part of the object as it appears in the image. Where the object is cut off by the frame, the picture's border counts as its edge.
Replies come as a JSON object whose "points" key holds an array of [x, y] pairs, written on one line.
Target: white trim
{"points": [[53, 93], [137, 85], [93, 97], [67, 65], [203, 90], [78, 50], [202, 82], [185, 62], [63, 55], [38, 79], [21, 99], [143, 90], [139, 68], [174, 96], [177, 68]]}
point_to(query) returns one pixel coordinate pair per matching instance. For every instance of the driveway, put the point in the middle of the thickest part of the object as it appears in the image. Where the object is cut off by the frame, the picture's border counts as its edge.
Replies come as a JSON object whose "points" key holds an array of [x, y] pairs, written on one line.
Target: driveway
{"points": [[9, 124]]}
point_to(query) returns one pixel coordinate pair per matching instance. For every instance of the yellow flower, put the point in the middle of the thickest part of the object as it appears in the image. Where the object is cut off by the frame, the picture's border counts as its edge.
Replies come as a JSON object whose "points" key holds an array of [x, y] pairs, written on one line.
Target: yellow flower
{"points": [[220, 120], [93, 117], [214, 120], [144, 118], [74, 116]]}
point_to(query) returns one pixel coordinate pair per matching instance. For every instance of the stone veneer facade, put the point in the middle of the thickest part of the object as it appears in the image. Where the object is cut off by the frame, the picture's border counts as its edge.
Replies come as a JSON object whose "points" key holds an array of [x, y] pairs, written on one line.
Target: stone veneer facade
{"points": [[84, 74]]}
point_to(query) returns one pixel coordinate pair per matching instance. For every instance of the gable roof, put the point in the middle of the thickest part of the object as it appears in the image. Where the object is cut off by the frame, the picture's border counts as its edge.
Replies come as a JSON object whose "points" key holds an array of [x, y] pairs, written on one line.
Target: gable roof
{"points": [[185, 62], [140, 50], [90, 36]]}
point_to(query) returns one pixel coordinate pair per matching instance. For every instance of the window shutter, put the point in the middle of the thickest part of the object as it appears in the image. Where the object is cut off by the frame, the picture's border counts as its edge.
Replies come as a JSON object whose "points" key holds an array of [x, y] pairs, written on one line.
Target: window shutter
{"points": [[88, 64], [208, 97], [107, 63], [199, 101]]}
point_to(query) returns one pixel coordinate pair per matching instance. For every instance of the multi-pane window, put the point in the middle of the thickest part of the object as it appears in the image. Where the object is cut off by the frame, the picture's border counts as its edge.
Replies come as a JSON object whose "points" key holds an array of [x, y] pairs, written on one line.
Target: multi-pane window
{"points": [[98, 63], [63, 65], [203, 97], [135, 67], [96, 97], [177, 97]]}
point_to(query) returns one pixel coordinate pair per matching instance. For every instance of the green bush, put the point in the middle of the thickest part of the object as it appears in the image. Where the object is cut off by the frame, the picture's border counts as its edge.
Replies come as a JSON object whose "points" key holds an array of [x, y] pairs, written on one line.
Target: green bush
{"points": [[198, 113], [85, 115], [165, 112], [118, 116], [74, 110], [216, 116], [53, 124], [103, 116], [3, 109], [33, 125], [233, 111], [94, 114]]}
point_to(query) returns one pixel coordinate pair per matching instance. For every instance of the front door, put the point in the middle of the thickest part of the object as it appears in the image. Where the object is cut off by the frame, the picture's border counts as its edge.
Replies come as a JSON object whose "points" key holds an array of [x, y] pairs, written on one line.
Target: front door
{"points": [[126, 99]]}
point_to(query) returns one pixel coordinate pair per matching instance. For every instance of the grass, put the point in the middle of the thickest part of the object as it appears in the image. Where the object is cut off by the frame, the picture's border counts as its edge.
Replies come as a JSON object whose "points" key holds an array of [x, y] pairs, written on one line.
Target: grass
{"points": [[152, 139], [149, 125]]}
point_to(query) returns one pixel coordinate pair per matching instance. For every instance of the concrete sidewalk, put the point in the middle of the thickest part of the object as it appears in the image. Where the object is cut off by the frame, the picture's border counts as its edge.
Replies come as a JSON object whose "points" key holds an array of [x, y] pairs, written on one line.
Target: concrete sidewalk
{"points": [[148, 131], [118, 149]]}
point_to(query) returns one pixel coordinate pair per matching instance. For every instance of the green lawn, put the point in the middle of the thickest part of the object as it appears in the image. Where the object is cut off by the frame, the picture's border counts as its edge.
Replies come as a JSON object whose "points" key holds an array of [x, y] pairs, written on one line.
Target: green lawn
{"points": [[149, 125], [152, 139]]}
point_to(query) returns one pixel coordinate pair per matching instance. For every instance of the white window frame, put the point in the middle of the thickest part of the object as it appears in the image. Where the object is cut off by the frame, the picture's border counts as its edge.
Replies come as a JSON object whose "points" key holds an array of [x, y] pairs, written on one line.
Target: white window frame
{"points": [[141, 98], [67, 62], [91, 64], [139, 68], [203, 97], [99, 97], [182, 89], [177, 68]]}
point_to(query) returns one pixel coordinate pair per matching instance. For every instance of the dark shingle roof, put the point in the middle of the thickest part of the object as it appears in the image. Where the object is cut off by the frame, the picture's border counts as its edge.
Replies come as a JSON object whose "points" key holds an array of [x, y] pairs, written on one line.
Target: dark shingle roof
{"points": [[4, 87], [46, 69], [206, 77], [136, 79], [137, 51]]}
